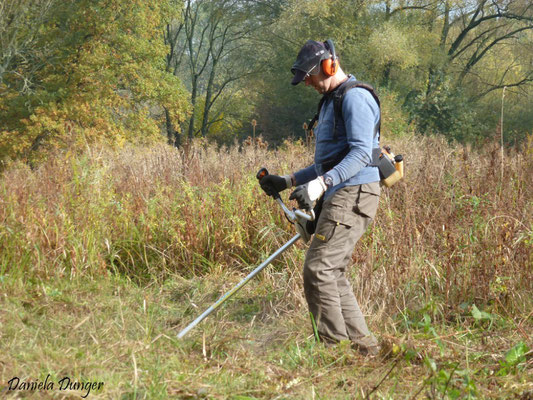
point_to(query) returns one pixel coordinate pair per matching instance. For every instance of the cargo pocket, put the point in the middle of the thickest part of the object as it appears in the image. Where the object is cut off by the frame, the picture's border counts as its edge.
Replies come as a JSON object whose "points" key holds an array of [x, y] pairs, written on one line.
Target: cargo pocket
{"points": [[368, 199], [337, 215], [326, 230]]}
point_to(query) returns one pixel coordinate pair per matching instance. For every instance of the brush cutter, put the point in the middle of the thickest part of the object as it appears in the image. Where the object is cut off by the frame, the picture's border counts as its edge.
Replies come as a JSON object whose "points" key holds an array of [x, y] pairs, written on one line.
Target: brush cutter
{"points": [[298, 217]]}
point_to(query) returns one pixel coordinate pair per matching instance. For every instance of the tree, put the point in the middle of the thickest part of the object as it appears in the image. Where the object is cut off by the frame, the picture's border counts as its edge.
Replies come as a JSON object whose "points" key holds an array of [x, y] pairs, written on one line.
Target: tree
{"points": [[466, 34], [21, 55], [104, 80], [210, 46]]}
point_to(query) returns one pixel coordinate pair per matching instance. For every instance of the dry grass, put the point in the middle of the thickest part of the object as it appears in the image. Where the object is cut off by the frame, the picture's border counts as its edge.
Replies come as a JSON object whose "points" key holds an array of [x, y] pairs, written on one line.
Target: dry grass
{"points": [[105, 256], [149, 212]]}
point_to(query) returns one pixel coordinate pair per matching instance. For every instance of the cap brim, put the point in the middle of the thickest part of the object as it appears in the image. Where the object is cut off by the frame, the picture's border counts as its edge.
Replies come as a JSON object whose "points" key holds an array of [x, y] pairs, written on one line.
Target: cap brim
{"points": [[298, 77]]}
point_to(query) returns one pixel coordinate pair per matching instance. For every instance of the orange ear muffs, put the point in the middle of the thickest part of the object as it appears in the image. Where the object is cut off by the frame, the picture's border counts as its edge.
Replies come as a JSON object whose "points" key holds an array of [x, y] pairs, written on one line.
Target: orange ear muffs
{"points": [[330, 66]]}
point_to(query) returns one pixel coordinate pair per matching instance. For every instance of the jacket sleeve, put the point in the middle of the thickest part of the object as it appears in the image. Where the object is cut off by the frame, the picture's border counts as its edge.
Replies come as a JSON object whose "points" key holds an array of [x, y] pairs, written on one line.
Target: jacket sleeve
{"points": [[361, 114], [305, 175]]}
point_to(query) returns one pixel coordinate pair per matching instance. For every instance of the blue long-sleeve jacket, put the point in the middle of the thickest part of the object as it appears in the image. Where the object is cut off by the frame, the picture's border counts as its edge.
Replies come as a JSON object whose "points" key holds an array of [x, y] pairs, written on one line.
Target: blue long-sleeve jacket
{"points": [[361, 116]]}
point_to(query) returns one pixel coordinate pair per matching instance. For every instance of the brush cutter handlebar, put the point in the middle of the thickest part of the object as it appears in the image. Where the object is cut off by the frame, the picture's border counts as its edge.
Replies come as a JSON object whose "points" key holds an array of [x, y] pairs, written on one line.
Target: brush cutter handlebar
{"points": [[293, 214]]}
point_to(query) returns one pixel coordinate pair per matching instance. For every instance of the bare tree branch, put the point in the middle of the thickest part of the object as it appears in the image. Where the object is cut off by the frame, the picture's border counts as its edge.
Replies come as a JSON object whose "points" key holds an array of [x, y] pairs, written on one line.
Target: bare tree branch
{"points": [[476, 40], [424, 7], [519, 83], [475, 22], [476, 57]]}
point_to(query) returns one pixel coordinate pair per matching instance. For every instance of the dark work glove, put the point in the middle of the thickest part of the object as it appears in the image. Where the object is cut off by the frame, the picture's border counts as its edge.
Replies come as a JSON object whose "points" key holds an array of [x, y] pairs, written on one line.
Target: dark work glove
{"points": [[302, 197], [273, 184], [306, 194]]}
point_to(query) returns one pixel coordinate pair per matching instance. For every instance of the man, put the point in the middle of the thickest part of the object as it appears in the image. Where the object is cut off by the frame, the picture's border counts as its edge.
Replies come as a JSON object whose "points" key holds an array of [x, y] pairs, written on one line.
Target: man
{"points": [[343, 175]]}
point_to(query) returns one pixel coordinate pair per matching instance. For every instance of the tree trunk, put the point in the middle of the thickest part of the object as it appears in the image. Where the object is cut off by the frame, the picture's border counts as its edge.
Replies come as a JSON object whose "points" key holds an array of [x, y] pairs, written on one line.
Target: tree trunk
{"points": [[208, 97], [193, 102], [445, 25], [173, 136]]}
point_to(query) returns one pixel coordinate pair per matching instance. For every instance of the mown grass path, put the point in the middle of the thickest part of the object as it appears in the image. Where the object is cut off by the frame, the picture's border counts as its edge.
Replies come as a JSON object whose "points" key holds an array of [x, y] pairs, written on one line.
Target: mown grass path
{"points": [[113, 331]]}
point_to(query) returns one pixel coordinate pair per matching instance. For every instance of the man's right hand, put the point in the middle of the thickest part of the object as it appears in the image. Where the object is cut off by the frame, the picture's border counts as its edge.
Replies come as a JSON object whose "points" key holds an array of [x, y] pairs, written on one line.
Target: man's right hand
{"points": [[273, 184]]}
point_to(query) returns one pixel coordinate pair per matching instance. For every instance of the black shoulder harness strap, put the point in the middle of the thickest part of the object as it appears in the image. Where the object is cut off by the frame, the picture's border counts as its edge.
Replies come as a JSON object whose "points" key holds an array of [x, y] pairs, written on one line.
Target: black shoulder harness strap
{"points": [[338, 96]]}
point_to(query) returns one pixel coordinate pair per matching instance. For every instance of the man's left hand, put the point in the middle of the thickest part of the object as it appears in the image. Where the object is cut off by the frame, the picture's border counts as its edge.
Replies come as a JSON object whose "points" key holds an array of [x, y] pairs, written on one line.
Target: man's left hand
{"points": [[306, 194]]}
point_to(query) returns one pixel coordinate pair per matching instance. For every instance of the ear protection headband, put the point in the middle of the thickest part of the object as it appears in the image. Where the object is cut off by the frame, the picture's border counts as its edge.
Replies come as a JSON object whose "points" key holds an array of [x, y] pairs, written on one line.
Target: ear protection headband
{"points": [[330, 65]]}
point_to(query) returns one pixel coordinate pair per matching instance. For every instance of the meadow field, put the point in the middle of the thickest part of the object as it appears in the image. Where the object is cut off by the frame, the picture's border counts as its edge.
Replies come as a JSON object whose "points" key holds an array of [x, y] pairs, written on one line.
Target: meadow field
{"points": [[107, 254]]}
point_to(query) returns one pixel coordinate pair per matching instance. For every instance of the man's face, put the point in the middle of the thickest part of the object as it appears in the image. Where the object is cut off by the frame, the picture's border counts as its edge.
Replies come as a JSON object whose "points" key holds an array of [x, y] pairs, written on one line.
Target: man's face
{"points": [[317, 82]]}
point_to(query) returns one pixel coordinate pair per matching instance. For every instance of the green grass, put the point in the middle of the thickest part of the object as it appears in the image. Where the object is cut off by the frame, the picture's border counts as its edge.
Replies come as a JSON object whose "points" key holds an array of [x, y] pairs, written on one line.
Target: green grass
{"points": [[260, 345]]}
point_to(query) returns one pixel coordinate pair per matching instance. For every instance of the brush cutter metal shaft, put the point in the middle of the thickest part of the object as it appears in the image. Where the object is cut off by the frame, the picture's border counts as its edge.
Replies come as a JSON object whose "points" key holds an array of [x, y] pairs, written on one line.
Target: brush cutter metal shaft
{"points": [[229, 294], [292, 216]]}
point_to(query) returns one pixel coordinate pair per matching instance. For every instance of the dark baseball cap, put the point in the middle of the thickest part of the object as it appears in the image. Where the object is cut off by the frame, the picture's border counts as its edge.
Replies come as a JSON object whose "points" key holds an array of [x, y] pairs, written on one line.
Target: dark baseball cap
{"points": [[308, 60]]}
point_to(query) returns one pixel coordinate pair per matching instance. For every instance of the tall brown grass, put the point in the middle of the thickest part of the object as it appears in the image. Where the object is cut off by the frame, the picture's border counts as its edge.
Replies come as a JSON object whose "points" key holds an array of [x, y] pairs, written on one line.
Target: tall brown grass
{"points": [[451, 232]]}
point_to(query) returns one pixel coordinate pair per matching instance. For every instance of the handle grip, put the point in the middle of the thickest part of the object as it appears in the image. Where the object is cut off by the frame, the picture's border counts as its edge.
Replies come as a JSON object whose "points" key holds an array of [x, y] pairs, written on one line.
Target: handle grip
{"points": [[260, 175]]}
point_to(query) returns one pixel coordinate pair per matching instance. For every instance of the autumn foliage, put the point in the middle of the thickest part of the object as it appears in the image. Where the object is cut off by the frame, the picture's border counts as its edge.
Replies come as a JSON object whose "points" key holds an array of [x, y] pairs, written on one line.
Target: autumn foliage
{"points": [[98, 75]]}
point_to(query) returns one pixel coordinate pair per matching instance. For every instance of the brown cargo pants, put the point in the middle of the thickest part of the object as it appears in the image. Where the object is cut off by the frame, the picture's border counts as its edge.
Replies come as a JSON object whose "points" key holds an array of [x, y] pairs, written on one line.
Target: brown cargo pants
{"points": [[343, 220]]}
